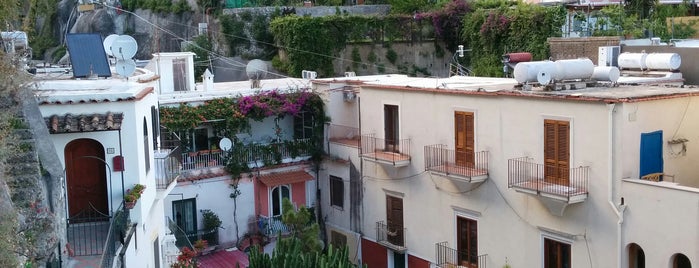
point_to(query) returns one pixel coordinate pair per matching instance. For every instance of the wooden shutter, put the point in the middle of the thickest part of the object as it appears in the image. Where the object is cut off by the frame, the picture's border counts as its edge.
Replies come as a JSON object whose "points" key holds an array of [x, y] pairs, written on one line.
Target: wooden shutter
{"points": [[556, 151], [394, 219], [464, 139], [467, 243]]}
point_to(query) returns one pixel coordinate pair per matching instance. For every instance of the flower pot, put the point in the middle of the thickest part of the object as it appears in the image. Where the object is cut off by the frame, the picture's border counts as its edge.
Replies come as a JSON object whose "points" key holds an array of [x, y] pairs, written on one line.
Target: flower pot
{"points": [[129, 204]]}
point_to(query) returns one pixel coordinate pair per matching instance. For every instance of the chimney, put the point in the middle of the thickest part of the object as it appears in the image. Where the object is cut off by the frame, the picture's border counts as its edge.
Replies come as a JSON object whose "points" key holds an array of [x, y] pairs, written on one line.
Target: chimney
{"points": [[208, 80]]}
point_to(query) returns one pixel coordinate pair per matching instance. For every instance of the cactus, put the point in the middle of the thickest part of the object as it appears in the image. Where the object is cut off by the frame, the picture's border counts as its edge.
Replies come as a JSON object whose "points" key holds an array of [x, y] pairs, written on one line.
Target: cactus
{"points": [[289, 254]]}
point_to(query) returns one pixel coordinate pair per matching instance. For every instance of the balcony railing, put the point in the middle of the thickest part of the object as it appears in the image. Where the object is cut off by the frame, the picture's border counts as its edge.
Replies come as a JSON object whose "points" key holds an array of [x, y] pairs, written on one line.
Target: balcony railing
{"points": [[451, 258], [445, 161], [167, 167], [273, 225], [545, 179], [344, 135], [265, 153], [391, 236], [115, 236], [211, 236], [396, 153]]}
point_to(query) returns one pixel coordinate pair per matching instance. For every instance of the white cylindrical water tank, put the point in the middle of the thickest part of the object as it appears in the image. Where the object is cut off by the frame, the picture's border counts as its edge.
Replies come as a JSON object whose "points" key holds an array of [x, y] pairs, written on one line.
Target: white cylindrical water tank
{"points": [[663, 61], [574, 69], [529, 71], [606, 73], [628, 60]]}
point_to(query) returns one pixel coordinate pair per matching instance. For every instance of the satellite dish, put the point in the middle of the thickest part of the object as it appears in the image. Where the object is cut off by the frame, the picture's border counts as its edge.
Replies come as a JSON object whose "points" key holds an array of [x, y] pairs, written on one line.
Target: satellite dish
{"points": [[256, 69], [125, 67], [124, 47], [225, 144], [107, 43]]}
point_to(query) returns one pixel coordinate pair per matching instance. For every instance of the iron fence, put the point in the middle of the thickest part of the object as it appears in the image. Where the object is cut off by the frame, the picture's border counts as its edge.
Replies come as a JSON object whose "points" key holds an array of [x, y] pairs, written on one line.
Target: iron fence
{"points": [[249, 153], [167, 166], [440, 159], [273, 225], [547, 178], [448, 257], [87, 231], [395, 235], [211, 236], [384, 149]]}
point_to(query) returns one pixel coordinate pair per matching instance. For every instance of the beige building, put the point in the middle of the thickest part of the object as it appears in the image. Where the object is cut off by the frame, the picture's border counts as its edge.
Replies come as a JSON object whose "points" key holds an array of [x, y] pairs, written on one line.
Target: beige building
{"points": [[476, 172]]}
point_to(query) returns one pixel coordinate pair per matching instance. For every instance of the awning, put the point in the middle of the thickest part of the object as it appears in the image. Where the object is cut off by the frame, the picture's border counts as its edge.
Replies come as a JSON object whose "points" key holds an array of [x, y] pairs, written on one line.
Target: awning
{"points": [[288, 177]]}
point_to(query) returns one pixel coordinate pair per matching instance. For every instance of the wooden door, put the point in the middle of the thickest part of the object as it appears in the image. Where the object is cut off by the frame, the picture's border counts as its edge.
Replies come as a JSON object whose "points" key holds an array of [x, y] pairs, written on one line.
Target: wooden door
{"points": [[464, 140], [467, 242], [390, 115], [556, 254], [557, 152], [86, 177], [394, 220]]}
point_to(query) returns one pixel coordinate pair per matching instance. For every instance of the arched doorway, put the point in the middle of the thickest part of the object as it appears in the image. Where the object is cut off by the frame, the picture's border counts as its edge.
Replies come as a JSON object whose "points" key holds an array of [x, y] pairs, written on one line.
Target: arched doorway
{"points": [[86, 177], [278, 194], [680, 260], [637, 258]]}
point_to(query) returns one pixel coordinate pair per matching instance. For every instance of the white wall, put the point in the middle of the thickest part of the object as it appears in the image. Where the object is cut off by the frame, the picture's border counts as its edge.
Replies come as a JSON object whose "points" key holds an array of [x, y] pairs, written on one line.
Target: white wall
{"points": [[213, 194]]}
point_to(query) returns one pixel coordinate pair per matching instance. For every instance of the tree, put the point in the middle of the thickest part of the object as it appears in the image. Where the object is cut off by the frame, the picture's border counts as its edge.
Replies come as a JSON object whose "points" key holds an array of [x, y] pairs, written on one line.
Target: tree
{"points": [[201, 46], [302, 226]]}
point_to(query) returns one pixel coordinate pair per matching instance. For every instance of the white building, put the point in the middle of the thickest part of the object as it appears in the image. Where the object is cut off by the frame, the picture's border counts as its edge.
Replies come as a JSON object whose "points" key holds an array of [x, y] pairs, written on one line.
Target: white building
{"points": [[477, 172], [104, 130]]}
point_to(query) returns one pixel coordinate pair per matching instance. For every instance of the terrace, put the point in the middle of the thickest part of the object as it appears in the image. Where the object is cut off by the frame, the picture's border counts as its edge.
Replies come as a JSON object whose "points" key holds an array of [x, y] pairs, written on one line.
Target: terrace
{"points": [[465, 171]]}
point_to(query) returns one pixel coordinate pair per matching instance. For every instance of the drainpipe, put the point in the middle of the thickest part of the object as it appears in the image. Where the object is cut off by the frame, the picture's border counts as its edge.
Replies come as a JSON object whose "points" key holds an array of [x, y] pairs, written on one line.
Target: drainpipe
{"points": [[619, 211]]}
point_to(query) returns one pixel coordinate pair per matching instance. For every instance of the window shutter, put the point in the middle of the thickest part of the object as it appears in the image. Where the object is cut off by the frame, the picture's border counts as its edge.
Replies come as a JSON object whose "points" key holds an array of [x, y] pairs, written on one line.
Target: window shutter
{"points": [[550, 162], [563, 150]]}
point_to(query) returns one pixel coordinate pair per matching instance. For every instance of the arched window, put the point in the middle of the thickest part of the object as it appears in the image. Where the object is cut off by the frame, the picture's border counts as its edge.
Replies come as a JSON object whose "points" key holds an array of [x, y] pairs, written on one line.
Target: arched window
{"points": [[680, 260], [146, 148], [278, 194], [637, 258]]}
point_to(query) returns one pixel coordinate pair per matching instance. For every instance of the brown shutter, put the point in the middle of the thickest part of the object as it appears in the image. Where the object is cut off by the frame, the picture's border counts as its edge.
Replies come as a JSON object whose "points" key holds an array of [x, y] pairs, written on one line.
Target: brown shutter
{"points": [[464, 138], [563, 151], [556, 151]]}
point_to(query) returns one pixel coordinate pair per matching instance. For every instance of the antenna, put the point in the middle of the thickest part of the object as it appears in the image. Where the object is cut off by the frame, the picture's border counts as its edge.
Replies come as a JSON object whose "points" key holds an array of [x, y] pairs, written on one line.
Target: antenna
{"points": [[107, 43], [124, 47], [125, 67]]}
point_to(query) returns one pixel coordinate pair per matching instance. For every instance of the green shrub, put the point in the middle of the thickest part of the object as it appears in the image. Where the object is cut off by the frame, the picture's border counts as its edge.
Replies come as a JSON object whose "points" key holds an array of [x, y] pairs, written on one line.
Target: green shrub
{"points": [[391, 56]]}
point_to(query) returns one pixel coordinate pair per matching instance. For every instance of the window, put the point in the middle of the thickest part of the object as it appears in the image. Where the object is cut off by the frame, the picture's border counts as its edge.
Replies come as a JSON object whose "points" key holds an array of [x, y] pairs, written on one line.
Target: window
{"points": [[155, 123], [146, 148], [390, 116], [680, 260], [278, 195], [184, 212], [556, 151], [637, 259], [303, 125], [467, 242], [556, 254], [179, 71], [464, 140], [337, 192], [337, 239]]}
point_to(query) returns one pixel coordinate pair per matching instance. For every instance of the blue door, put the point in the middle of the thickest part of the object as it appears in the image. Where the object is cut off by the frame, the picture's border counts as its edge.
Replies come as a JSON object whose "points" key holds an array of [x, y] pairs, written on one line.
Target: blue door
{"points": [[651, 153]]}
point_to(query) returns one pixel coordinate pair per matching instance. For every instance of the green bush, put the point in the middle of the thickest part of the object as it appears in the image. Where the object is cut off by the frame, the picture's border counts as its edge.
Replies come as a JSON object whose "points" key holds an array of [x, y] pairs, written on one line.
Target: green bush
{"points": [[391, 56]]}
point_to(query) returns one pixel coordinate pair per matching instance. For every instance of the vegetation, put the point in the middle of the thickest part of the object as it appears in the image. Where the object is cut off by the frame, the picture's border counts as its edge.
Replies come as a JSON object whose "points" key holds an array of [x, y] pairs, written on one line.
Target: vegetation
{"points": [[158, 6], [210, 220], [302, 226], [201, 47], [42, 38], [247, 34], [491, 32]]}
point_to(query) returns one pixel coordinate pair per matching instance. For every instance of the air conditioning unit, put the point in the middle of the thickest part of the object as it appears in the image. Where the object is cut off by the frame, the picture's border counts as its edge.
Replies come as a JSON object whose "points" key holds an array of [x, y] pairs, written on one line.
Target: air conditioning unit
{"points": [[349, 94], [309, 74], [350, 74], [608, 56]]}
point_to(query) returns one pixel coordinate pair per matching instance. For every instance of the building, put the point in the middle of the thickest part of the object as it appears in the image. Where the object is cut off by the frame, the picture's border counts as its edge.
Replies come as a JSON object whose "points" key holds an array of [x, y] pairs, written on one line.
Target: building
{"points": [[104, 130], [271, 145], [476, 172]]}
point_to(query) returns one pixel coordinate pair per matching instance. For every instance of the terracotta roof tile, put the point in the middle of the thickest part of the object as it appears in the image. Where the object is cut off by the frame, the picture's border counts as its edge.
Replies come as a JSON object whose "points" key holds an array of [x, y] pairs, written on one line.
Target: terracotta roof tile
{"points": [[289, 177]]}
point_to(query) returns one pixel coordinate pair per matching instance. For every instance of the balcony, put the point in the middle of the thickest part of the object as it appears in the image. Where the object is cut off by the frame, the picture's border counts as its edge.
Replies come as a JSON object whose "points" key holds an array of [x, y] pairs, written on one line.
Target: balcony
{"points": [[387, 152], [461, 171], [344, 135], [167, 168], [555, 186], [451, 258], [391, 237], [272, 226], [256, 154]]}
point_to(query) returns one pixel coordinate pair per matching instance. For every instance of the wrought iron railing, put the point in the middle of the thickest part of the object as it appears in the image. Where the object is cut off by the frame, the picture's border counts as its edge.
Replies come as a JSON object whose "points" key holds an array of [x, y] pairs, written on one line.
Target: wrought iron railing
{"points": [[395, 235], [448, 257], [344, 134], [115, 236], [167, 166], [440, 159], [87, 231], [273, 225], [547, 178], [385, 150], [211, 236], [249, 153], [181, 239]]}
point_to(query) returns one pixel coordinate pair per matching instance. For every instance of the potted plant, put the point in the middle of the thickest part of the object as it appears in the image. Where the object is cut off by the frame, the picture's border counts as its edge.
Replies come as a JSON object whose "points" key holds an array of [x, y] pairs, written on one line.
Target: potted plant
{"points": [[132, 195]]}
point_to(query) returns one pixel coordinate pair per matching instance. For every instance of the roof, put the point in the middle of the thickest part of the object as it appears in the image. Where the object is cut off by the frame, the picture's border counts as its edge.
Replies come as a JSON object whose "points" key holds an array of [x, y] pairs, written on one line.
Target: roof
{"points": [[83, 122], [224, 259], [288, 177], [487, 86], [87, 55], [232, 89]]}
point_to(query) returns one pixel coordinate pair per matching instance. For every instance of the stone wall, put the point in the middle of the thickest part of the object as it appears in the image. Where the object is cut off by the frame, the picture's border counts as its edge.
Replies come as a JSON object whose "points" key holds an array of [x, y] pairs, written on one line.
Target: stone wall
{"points": [[579, 47], [318, 11]]}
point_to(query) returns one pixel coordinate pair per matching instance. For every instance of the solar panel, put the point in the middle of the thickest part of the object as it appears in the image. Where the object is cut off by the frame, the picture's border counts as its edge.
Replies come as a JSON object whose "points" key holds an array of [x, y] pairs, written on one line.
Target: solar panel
{"points": [[87, 55]]}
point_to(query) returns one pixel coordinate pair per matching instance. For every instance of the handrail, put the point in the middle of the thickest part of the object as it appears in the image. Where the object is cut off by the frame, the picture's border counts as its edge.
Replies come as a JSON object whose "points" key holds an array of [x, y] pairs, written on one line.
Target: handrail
{"points": [[117, 230]]}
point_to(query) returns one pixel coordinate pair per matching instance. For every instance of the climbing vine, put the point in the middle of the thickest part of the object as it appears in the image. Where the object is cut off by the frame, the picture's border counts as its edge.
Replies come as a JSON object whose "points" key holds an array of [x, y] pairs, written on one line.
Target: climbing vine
{"points": [[492, 32]]}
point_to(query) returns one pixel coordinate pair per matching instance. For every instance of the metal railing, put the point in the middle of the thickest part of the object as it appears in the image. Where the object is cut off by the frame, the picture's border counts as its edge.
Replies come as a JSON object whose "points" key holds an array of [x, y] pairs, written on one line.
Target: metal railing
{"points": [[181, 239], [391, 234], [115, 236], [211, 236], [344, 134], [273, 225], [440, 159], [448, 257], [250, 153], [167, 166], [385, 150], [547, 178], [86, 232]]}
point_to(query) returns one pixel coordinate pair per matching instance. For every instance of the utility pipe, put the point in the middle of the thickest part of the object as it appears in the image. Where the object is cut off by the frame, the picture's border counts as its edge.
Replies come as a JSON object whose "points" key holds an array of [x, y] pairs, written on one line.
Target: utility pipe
{"points": [[619, 211]]}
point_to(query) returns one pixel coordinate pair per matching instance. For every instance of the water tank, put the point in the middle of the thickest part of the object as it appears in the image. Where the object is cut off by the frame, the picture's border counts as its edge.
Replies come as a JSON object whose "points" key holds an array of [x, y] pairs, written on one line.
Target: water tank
{"points": [[529, 71], [663, 61], [629, 60], [574, 69], [606, 73], [517, 57]]}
